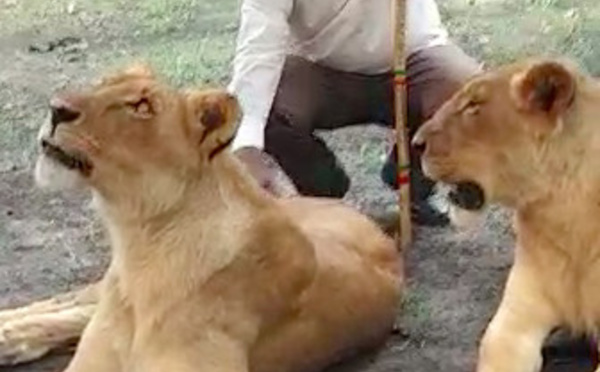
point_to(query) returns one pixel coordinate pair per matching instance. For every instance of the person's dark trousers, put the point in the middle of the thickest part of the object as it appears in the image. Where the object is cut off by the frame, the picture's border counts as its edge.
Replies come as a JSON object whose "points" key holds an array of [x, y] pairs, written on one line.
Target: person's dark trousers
{"points": [[311, 96]]}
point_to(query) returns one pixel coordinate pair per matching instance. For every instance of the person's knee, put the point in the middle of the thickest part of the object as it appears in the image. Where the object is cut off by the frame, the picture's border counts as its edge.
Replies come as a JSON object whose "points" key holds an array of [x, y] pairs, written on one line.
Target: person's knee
{"points": [[331, 182], [434, 75], [307, 160], [342, 186]]}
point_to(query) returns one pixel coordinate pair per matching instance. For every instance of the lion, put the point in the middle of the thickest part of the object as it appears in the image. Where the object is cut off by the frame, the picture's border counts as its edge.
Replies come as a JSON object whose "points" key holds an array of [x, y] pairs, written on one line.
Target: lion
{"points": [[526, 136], [207, 271]]}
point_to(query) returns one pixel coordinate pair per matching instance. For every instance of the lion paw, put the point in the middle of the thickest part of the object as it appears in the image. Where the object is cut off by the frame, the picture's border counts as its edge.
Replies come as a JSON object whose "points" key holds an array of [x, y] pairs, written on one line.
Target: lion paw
{"points": [[21, 342]]}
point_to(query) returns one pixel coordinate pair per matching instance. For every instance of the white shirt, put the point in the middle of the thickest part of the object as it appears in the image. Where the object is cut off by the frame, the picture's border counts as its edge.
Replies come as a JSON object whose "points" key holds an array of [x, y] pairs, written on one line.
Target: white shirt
{"points": [[348, 35]]}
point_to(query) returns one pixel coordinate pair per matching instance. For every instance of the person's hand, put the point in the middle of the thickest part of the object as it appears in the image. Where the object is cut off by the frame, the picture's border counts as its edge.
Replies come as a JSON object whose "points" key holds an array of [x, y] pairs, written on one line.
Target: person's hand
{"points": [[266, 171]]}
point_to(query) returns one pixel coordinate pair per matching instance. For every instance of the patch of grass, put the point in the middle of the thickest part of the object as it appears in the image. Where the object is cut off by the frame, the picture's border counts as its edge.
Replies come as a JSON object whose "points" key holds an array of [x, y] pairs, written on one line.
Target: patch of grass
{"points": [[190, 41], [372, 156], [415, 308], [148, 17], [155, 16], [500, 31], [21, 15], [205, 60], [165, 16]]}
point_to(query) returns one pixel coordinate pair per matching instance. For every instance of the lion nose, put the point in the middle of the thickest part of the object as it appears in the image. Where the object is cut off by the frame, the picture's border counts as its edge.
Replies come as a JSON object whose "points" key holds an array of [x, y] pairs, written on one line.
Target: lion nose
{"points": [[62, 111]]}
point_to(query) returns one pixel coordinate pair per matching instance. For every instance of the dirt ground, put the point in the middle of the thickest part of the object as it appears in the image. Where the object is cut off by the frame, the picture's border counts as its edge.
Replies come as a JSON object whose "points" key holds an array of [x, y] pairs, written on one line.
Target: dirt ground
{"points": [[50, 243]]}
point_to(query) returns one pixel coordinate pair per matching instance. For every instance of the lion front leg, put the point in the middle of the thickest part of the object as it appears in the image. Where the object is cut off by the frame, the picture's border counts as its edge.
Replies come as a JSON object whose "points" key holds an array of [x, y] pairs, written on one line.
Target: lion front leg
{"points": [[217, 352], [29, 332], [514, 338]]}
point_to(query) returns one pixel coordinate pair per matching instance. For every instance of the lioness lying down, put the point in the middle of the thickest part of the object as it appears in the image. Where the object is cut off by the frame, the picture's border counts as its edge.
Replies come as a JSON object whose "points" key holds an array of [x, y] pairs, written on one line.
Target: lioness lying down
{"points": [[528, 136], [208, 273]]}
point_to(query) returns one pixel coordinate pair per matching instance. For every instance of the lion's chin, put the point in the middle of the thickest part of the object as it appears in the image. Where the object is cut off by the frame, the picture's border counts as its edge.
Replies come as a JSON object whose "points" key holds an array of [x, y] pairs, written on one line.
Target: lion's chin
{"points": [[69, 159], [51, 175], [467, 195], [59, 169]]}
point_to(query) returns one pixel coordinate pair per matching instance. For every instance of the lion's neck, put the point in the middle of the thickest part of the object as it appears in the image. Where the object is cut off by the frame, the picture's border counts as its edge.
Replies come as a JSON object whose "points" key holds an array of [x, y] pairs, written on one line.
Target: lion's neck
{"points": [[163, 197], [565, 219], [176, 244], [556, 223], [562, 200]]}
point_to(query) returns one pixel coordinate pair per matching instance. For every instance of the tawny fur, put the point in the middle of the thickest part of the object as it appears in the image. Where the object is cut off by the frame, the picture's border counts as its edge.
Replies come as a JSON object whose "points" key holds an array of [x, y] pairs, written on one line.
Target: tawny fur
{"points": [[529, 135], [32, 331], [208, 272]]}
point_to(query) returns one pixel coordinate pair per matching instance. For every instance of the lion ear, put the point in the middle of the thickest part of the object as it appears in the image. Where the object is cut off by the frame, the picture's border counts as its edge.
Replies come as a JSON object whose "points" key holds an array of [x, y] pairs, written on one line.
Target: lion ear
{"points": [[546, 87], [216, 114], [140, 69], [136, 70]]}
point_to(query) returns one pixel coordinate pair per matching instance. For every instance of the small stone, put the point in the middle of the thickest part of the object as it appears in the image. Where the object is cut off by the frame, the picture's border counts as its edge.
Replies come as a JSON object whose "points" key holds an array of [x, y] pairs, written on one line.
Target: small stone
{"points": [[571, 13], [71, 58], [71, 8], [38, 48]]}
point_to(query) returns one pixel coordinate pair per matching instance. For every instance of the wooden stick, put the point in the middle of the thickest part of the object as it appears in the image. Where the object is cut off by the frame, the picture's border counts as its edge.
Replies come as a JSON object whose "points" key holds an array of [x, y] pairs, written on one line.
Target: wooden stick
{"points": [[401, 126]]}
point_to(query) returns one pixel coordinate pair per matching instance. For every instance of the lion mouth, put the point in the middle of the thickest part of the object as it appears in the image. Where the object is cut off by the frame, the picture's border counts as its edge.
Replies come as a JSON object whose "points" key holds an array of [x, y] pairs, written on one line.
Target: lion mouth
{"points": [[70, 160], [467, 195]]}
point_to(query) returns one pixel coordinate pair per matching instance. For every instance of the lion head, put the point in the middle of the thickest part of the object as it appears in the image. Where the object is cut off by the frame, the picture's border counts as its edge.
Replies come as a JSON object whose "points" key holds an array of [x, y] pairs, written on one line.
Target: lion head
{"points": [[132, 132], [509, 133]]}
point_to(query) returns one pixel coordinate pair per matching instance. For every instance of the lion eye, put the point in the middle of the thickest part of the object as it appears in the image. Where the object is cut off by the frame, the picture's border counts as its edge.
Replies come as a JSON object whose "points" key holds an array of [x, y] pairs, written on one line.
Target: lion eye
{"points": [[472, 107], [142, 108]]}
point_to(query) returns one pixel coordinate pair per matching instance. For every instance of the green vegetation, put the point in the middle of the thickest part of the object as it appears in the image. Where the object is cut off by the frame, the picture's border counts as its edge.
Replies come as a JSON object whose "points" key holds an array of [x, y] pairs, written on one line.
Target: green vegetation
{"points": [[192, 42], [500, 31]]}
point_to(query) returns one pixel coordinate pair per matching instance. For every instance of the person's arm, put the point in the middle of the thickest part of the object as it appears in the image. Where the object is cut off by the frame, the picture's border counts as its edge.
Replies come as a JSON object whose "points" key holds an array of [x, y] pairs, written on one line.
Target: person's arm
{"points": [[262, 43]]}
